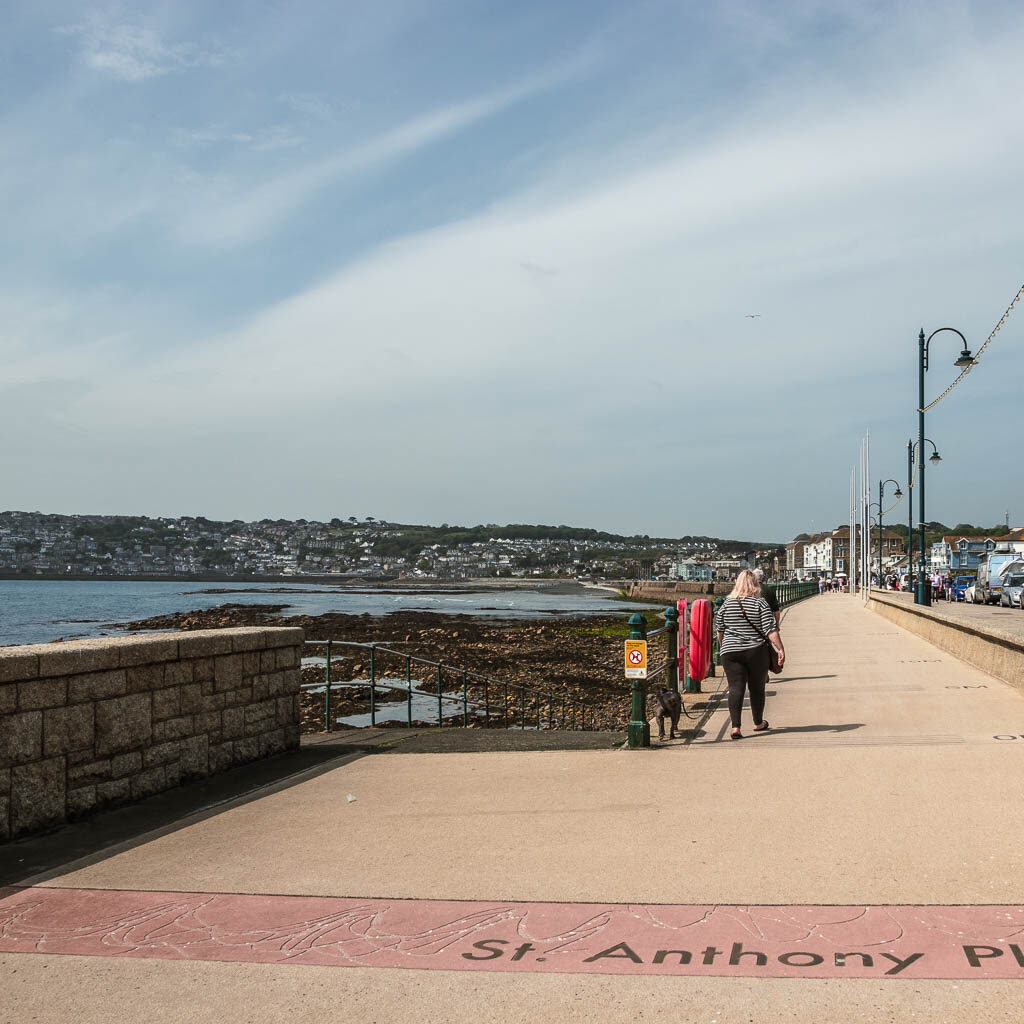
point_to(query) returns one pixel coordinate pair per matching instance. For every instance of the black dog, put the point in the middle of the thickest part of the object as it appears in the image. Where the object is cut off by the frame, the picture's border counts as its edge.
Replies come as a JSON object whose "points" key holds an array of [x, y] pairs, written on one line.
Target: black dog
{"points": [[670, 705]]}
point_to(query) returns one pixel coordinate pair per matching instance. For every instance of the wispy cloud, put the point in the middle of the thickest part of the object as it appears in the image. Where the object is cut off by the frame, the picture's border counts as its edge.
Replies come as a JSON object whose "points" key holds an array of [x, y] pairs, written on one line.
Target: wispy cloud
{"points": [[260, 140], [310, 105], [135, 52], [231, 220]]}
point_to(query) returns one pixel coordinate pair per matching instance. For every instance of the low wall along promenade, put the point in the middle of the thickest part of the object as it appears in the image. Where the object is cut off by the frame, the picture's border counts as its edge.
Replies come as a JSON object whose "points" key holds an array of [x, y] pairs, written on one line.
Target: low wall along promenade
{"points": [[994, 648], [92, 723]]}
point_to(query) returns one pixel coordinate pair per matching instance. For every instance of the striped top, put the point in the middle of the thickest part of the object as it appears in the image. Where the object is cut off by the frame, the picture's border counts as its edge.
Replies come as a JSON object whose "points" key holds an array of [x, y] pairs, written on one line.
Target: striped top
{"points": [[740, 634]]}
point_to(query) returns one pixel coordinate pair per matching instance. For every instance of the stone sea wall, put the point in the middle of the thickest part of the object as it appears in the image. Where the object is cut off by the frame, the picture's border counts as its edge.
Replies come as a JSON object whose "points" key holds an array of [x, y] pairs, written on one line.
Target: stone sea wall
{"points": [[91, 723], [672, 592]]}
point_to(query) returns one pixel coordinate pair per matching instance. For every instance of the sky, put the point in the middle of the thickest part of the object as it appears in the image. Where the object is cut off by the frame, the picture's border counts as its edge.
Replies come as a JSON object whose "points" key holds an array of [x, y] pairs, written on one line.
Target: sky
{"points": [[652, 267]]}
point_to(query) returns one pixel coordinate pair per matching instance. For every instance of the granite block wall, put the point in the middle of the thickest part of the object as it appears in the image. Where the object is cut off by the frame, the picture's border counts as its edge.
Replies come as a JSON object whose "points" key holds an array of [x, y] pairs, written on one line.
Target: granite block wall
{"points": [[91, 723]]}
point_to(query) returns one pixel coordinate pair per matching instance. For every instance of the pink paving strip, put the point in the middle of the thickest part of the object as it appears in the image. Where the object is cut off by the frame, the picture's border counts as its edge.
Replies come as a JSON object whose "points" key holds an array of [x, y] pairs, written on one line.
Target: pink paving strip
{"points": [[564, 938]]}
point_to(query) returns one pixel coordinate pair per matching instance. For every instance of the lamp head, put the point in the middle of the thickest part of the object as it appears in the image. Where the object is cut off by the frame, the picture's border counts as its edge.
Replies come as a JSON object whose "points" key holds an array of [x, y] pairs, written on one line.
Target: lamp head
{"points": [[935, 457], [899, 493], [965, 359]]}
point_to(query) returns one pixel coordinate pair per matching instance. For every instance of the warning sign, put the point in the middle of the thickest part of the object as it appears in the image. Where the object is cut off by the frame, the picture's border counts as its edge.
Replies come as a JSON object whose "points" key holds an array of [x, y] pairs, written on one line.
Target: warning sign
{"points": [[636, 659]]}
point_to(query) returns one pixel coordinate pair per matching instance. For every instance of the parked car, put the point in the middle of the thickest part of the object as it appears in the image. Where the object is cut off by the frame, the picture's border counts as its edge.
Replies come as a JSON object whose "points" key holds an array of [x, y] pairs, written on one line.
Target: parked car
{"points": [[990, 580], [960, 586], [970, 594], [1013, 589]]}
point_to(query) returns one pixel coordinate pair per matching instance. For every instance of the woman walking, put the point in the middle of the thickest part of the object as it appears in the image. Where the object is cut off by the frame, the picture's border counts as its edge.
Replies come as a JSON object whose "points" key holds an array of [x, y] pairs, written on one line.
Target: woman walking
{"points": [[745, 627]]}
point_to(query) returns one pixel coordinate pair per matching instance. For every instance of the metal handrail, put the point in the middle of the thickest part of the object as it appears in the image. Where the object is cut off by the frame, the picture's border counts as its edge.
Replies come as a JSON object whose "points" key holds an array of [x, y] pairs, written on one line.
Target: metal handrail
{"points": [[577, 718]]}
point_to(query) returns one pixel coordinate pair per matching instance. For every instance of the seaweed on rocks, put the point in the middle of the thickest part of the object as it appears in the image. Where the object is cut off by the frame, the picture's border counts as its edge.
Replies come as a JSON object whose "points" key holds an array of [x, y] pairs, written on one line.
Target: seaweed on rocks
{"points": [[572, 660]]}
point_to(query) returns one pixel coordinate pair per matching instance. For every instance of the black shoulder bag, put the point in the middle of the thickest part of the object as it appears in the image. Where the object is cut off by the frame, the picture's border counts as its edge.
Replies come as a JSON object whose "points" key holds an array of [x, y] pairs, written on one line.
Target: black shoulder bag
{"points": [[773, 651]]}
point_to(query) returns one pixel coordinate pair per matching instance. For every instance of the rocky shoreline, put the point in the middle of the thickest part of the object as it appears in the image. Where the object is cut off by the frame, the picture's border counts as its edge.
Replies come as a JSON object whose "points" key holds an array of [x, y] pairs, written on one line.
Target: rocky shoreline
{"points": [[575, 659]]}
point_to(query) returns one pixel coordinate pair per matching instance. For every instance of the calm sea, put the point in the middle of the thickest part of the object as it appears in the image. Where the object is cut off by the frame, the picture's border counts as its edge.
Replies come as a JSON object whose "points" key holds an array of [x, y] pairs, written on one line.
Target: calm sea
{"points": [[40, 611]]}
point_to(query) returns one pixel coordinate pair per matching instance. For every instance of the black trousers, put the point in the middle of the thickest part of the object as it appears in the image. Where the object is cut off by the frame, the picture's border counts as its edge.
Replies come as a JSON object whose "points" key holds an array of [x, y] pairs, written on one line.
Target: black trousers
{"points": [[747, 670]]}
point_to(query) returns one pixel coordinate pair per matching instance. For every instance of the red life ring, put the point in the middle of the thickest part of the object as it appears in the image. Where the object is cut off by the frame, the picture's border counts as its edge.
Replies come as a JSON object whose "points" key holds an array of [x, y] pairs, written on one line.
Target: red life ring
{"points": [[701, 622]]}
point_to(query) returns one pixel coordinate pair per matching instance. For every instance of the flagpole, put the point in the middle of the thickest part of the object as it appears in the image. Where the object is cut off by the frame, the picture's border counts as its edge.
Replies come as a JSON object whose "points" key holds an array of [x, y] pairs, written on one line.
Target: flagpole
{"points": [[865, 533]]}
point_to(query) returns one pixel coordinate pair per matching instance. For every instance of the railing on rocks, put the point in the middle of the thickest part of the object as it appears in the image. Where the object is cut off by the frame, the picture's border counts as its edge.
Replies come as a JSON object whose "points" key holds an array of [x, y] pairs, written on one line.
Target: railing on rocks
{"points": [[489, 702]]}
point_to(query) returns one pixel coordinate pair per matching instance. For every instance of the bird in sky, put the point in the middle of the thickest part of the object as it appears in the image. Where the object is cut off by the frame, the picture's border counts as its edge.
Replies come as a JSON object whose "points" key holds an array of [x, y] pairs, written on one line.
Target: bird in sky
{"points": [[752, 316]]}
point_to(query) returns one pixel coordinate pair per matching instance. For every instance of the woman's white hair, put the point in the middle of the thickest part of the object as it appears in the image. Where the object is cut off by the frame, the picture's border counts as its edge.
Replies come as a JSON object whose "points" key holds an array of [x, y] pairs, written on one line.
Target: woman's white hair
{"points": [[746, 585]]}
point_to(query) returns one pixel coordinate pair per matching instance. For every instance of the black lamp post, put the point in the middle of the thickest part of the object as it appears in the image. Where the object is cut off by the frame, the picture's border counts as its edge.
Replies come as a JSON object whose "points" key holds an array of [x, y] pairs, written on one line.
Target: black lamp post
{"points": [[965, 359], [898, 494], [934, 458]]}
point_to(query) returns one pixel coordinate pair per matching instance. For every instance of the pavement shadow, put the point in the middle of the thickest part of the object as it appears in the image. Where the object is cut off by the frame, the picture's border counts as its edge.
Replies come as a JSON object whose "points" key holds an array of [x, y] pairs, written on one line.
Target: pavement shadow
{"points": [[689, 735], [794, 679], [783, 729], [48, 855]]}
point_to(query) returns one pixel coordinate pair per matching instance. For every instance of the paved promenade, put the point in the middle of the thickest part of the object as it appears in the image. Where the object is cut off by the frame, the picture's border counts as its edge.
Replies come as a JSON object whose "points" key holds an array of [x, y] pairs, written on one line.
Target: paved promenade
{"points": [[993, 618], [861, 861]]}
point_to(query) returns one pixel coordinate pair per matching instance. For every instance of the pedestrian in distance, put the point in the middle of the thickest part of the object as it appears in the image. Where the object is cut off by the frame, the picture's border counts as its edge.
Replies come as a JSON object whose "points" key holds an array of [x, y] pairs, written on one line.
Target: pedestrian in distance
{"points": [[768, 593], [746, 627]]}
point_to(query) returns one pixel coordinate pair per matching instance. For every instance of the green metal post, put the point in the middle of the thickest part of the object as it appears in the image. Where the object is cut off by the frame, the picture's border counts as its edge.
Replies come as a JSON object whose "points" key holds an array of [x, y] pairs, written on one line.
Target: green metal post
{"points": [[672, 638], [373, 688], [639, 730], [408, 688], [440, 715], [327, 692], [924, 596], [504, 706], [465, 701]]}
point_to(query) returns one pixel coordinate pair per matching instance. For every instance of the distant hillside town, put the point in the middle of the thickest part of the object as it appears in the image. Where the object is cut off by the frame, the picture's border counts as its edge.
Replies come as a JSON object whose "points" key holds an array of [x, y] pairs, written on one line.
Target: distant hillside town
{"points": [[33, 543]]}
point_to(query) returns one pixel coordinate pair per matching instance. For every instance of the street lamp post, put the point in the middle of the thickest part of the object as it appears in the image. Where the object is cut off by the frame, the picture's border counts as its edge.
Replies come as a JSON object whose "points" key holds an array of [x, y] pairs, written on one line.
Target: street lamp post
{"points": [[924, 596], [910, 518], [935, 457], [898, 494]]}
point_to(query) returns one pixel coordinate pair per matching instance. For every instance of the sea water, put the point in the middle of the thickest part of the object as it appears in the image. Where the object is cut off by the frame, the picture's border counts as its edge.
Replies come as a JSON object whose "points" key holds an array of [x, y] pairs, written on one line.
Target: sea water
{"points": [[40, 611]]}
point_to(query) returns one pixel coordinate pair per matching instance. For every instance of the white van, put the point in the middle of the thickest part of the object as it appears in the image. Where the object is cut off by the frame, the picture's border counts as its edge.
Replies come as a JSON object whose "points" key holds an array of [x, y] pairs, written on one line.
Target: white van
{"points": [[990, 575]]}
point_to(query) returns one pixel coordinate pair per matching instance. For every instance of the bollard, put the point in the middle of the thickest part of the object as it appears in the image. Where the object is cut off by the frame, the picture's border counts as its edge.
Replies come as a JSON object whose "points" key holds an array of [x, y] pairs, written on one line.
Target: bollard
{"points": [[639, 728]]}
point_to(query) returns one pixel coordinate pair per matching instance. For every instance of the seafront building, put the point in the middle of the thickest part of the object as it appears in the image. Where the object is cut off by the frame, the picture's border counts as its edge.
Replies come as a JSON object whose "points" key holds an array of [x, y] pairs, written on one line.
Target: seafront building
{"points": [[828, 554], [692, 572]]}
